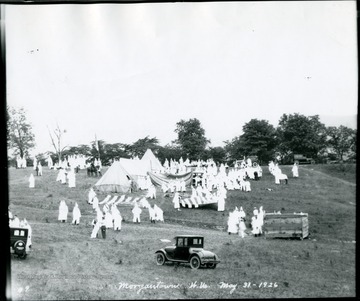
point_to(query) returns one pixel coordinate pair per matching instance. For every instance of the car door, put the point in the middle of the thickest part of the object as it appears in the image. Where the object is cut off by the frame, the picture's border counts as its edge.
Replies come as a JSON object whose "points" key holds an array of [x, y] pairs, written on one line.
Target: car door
{"points": [[182, 249]]}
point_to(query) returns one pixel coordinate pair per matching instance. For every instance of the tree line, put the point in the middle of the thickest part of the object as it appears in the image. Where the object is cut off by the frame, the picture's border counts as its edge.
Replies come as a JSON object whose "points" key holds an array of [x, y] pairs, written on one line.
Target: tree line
{"points": [[295, 134]]}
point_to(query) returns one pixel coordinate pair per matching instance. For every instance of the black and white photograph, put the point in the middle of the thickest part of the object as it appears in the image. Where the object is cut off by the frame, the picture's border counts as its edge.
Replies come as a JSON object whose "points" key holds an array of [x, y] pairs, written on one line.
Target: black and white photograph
{"points": [[180, 150]]}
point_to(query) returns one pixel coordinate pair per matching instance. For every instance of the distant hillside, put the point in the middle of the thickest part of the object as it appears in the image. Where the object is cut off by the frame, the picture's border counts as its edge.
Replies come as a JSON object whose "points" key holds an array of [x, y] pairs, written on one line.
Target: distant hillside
{"points": [[346, 120]]}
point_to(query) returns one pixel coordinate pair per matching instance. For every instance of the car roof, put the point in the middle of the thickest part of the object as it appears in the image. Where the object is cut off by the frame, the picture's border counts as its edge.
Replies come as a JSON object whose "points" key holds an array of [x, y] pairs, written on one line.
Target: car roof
{"points": [[189, 236]]}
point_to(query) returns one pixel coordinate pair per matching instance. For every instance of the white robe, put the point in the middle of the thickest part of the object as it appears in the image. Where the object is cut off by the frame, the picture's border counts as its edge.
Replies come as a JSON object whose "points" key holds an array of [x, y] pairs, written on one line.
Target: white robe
{"points": [[221, 203], [151, 213], [136, 214], [95, 203], [76, 215], [159, 214], [63, 211], [176, 201], [108, 220], [91, 196], [295, 171], [117, 219], [232, 223], [31, 181], [72, 179]]}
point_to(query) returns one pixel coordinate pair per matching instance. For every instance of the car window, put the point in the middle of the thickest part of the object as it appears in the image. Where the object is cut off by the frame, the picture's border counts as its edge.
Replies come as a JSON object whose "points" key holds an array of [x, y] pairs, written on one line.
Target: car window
{"points": [[180, 242], [16, 232], [185, 242]]}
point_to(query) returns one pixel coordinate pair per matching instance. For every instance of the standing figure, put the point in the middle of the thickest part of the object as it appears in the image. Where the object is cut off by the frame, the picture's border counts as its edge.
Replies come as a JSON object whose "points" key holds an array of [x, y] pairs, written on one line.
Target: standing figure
{"points": [[76, 215], [159, 214], [295, 170], [255, 226], [63, 212], [116, 215], [242, 226], [221, 203], [31, 181], [39, 169], [176, 201], [260, 217], [151, 214], [91, 195], [71, 178], [136, 213], [232, 223]]}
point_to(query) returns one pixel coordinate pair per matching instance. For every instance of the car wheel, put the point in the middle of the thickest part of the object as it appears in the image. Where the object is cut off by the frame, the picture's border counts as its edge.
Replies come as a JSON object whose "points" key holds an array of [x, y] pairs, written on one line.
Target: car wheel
{"points": [[211, 265], [23, 256], [160, 259], [195, 262]]}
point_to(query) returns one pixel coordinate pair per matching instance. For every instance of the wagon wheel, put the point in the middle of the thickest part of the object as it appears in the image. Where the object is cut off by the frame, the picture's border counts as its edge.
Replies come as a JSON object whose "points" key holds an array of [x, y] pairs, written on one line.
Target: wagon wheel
{"points": [[195, 262], [211, 265], [160, 259]]}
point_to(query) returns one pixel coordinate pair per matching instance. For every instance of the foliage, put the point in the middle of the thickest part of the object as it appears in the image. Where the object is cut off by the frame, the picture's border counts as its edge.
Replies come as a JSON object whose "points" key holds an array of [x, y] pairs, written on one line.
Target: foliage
{"points": [[139, 147], [169, 151], [19, 132], [111, 152], [218, 154], [191, 138], [342, 140], [299, 134], [259, 139]]}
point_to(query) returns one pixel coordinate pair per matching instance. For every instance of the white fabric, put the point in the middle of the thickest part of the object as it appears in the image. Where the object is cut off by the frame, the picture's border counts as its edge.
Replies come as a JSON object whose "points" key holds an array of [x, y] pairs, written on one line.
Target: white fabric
{"points": [[31, 181], [76, 214], [63, 211]]}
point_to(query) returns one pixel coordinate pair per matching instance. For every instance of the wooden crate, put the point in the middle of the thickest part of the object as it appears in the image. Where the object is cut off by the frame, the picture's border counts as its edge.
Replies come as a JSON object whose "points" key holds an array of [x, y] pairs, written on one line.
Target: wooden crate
{"points": [[286, 225]]}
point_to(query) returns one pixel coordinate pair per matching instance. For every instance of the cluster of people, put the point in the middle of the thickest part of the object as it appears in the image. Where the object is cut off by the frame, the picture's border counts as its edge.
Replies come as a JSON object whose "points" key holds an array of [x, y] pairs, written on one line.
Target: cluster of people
{"points": [[110, 217], [174, 185], [275, 170], [15, 222], [67, 176], [64, 210], [20, 162], [237, 218]]}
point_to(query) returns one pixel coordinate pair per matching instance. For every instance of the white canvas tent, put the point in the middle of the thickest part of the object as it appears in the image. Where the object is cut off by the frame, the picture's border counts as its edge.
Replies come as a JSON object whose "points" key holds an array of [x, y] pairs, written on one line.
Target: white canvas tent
{"points": [[155, 164], [115, 179], [137, 169]]}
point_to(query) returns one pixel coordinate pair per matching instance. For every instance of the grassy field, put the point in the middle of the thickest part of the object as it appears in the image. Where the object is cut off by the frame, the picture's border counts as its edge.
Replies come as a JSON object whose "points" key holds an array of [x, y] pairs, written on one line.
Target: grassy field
{"points": [[66, 264]]}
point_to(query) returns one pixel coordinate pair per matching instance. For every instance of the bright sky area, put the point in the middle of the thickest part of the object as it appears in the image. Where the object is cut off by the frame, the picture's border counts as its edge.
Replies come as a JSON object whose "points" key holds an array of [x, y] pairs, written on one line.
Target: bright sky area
{"points": [[126, 71]]}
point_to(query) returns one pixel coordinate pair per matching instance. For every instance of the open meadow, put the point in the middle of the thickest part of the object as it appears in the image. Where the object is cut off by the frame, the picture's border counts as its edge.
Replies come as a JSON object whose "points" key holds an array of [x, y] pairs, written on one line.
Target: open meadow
{"points": [[65, 263]]}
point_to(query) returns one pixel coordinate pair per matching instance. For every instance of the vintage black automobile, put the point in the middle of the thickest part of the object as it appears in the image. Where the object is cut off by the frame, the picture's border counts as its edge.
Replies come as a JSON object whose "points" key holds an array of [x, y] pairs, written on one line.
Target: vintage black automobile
{"points": [[187, 249], [18, 242]]}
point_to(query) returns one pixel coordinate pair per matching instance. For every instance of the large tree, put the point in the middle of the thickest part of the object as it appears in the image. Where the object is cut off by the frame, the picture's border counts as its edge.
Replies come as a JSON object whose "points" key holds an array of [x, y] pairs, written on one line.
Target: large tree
{"points": [[342, 140], [234, 149], [259, 139], [191, 138], [20, 137], [299, 134]]}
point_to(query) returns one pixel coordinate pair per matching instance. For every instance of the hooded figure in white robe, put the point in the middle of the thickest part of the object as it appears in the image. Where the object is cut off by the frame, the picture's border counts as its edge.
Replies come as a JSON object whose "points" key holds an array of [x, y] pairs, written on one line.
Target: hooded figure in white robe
{"points": [[136, 213], [151, 214], [76, 215], [295, 170], [72, 178], [116, 217], [27, 226], [176, 201], [221, 203], [91, 195], [95, 202], [232, 223], [39, 166], [242, 226], [261, 218], [159, 214], [255, 225], [97, 224], [31, 181], [63, 211], [108, 218]]}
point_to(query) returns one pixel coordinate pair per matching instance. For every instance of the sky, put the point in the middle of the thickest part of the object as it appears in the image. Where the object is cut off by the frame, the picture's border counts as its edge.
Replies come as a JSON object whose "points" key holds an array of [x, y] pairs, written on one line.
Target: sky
{"points": [[126, 71]]}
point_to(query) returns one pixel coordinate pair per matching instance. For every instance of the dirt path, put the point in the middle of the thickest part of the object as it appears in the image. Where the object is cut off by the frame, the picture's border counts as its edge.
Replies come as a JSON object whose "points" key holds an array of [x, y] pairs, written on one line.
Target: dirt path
{"points": [[332, 177]]}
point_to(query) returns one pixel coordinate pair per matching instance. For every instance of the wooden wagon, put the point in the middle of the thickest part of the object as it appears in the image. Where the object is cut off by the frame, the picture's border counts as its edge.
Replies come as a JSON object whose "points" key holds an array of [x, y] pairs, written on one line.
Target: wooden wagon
{"points": [[286, 225]]}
